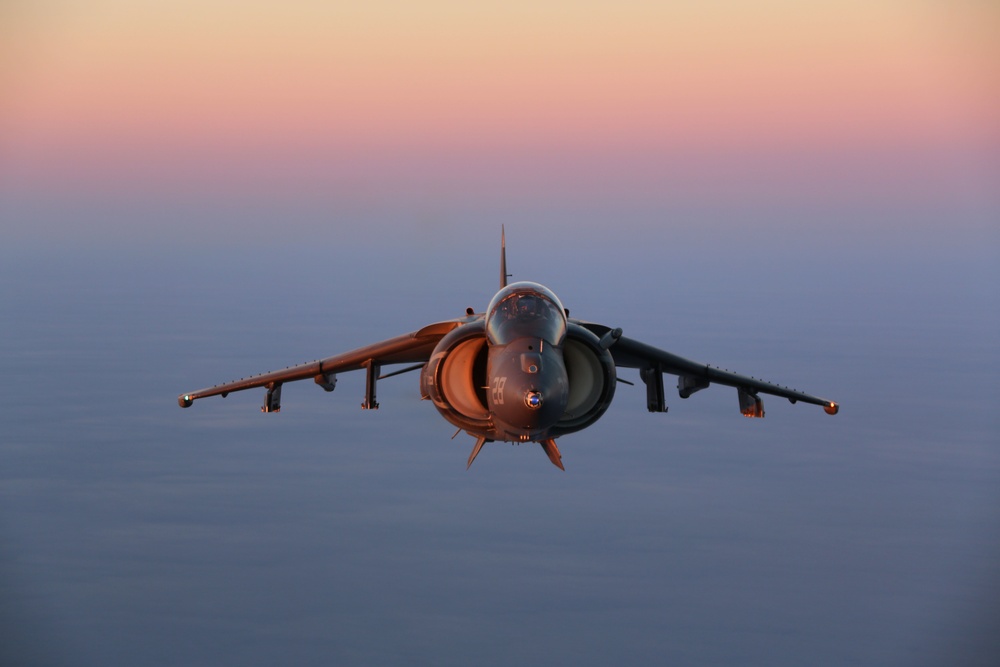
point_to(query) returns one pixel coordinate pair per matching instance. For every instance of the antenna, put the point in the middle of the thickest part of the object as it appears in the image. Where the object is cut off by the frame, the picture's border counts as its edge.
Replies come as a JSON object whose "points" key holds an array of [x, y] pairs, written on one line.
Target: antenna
{"points": [[503, 259]]}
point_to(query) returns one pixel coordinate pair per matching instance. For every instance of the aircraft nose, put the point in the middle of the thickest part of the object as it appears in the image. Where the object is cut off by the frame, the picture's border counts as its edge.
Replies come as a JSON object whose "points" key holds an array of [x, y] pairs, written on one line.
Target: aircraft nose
{"points": [[533, 399], [529, 389]]}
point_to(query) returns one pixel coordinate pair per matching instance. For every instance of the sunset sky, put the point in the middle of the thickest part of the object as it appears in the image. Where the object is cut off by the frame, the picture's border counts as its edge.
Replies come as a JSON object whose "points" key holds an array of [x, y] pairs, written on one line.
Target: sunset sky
{"points": [[538, 101]]}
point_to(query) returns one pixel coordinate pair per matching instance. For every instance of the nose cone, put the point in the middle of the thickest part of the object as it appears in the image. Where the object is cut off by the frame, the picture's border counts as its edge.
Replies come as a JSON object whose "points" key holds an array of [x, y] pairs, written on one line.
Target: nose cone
{"points": [[529, 388]]}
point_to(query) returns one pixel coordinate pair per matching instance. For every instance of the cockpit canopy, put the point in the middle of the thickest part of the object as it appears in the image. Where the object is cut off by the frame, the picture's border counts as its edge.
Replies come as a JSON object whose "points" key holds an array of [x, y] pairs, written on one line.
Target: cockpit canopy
{"points": [[525, 309]]}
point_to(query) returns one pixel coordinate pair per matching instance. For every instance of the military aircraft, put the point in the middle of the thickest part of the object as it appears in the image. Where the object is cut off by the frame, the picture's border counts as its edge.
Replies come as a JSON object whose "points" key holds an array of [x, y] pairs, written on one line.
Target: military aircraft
{"points": [[522, 371]]}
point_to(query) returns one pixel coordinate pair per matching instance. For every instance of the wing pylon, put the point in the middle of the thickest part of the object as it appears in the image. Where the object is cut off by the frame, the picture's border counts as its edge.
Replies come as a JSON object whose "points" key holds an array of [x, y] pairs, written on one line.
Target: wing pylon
{"points": [[412, 348], [694, 376]]}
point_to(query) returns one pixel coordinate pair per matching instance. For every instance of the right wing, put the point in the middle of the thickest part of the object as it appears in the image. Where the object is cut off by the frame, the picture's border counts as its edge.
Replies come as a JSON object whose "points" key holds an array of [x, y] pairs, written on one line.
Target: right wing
{"points": [[694, 376], [415, 348]]}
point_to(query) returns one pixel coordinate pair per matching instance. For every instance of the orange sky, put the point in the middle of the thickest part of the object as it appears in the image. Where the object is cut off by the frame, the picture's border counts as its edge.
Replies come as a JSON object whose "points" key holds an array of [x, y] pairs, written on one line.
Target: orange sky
{"points": [[110, 88]]}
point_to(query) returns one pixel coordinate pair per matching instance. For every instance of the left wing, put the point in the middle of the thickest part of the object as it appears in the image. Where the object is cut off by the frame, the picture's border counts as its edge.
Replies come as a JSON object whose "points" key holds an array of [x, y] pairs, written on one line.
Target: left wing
{"points": [[415, 347], [693, 376]]}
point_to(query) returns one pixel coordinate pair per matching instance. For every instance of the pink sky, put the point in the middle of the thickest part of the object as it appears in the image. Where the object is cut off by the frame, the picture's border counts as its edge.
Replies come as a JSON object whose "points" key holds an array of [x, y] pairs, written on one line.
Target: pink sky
{"points": [[549, 99]]}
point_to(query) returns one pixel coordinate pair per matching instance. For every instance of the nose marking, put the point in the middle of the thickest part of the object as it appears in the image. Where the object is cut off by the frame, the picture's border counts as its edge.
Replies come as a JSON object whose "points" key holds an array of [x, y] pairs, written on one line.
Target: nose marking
{"points": [[498, 385]]}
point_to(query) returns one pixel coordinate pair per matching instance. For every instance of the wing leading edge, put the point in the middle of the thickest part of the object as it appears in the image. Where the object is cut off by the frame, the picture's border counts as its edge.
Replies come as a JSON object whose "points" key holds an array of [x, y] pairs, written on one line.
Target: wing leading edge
{"points": [[414, 347], [694, 376]]}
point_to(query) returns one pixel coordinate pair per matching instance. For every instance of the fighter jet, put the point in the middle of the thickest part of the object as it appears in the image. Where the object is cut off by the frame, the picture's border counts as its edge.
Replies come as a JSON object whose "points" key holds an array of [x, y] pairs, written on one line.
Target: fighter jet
{"points": [[522, 371]]}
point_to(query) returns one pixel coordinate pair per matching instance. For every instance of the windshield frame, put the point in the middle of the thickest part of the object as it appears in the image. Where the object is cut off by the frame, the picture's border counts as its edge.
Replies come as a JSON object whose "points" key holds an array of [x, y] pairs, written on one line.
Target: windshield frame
{"points": [[525, 309]]}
